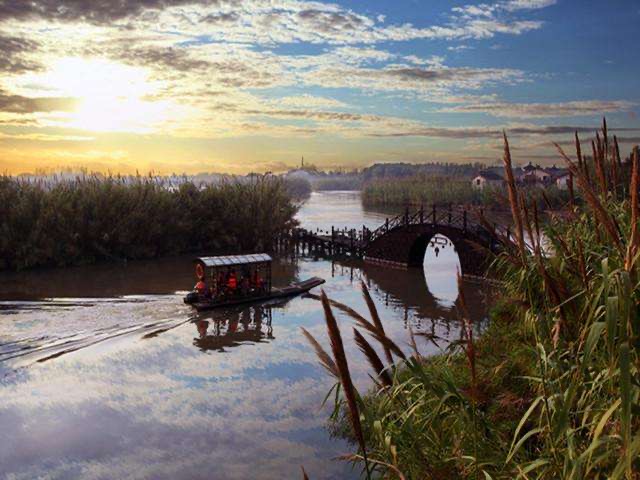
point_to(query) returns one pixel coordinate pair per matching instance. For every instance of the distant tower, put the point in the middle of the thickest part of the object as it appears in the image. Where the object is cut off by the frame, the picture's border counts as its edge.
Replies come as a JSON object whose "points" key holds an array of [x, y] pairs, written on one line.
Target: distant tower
{"points": [[302, 163]]}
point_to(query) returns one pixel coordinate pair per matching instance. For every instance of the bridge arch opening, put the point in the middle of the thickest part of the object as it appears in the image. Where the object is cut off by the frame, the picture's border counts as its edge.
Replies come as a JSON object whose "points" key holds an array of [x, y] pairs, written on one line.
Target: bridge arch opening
{"points": [[440, 264]]}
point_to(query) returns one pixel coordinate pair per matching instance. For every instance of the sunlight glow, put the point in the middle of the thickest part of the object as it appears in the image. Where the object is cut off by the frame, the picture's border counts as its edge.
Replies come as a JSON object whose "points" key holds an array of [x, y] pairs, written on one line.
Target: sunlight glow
{"points": [[111, 96]]}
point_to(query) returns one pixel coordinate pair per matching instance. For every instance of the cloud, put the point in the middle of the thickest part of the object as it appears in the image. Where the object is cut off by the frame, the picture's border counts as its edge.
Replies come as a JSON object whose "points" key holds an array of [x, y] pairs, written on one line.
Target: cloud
{"points": [[309, 101], [91, 11], [262, 21], [199, 72], [222, 62], [13, 59], [220, 19], [333, 22], [513, 5], [459, 48], [490, 132], [357, 55], [634, 140], [434, 82], [20, 104], [43, 137], [176, 58], [318, 115], [533, 110]]}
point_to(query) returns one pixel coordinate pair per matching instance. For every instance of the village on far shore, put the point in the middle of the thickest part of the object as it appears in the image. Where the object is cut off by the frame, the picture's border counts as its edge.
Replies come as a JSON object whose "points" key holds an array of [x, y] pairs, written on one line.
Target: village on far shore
{"points": [[479, 175], [529, 175]]}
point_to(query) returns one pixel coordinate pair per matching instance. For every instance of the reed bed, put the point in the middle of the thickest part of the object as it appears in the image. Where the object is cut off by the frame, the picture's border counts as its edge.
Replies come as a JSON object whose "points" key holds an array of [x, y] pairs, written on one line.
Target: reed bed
{"points": [[298, 188], [441, 190], [94, 218], [552, 389]]}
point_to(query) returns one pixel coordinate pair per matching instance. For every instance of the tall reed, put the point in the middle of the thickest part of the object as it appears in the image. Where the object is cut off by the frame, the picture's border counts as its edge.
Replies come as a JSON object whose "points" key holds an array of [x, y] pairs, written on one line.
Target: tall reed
{"points": [[552, 389], [442, 190], [93, 218]]}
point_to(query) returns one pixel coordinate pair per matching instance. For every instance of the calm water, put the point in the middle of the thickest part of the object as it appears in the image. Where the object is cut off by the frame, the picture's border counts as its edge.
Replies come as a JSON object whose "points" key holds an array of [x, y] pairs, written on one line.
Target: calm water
{"points": [[105, 373]]}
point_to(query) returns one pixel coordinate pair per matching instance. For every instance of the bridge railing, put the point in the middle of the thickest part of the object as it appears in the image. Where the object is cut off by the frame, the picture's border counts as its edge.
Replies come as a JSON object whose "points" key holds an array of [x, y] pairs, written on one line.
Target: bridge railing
{"points": [[444, 216]]}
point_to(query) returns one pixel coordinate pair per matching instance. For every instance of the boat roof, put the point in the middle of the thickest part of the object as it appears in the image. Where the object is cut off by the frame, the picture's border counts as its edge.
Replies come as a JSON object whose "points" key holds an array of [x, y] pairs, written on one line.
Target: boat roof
{"points": [[229, 260]]}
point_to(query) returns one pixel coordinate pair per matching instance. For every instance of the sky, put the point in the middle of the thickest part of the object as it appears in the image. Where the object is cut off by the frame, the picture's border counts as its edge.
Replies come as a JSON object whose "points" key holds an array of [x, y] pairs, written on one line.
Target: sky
{"points": [[188, 86]]}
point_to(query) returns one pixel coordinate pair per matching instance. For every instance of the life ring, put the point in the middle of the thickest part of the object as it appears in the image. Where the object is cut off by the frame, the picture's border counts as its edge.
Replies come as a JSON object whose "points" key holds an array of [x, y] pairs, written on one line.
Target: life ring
{"points": [[199, 271]]}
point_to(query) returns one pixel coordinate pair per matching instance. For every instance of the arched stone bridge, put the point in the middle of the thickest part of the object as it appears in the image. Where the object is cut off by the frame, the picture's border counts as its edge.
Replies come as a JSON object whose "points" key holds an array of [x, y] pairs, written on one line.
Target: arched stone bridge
{"points": [[402, 241]]}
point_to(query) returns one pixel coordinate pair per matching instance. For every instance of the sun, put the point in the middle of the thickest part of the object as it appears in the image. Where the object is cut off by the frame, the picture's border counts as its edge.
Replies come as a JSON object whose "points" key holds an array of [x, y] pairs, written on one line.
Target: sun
{"points": [[111, 96]]}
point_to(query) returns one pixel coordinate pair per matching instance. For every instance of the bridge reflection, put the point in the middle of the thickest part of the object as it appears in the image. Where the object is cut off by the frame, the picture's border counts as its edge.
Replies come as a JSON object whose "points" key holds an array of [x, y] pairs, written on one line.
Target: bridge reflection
{"points": [[408, 290]]}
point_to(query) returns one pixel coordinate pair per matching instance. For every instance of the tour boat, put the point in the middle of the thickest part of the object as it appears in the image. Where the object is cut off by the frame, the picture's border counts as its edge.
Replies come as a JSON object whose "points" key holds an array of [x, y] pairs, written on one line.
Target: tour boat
{"points": [[229, 280]]}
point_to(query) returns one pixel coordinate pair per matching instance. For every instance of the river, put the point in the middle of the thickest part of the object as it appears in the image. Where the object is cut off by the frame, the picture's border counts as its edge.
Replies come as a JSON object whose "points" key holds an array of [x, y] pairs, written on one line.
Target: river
{"points": [[105, 373]]}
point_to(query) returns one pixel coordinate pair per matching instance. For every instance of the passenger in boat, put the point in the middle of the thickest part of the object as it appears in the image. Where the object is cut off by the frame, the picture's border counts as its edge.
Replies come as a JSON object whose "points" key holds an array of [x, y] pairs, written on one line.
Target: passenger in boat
{"points": [[201, 287], [232, 282], [257, 281], [245, 284], [221, 283]]}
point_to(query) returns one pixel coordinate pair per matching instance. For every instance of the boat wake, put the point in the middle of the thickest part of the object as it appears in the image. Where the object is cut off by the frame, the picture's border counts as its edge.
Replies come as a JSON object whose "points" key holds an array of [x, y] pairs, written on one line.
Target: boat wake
{"points": [[33, 332]]}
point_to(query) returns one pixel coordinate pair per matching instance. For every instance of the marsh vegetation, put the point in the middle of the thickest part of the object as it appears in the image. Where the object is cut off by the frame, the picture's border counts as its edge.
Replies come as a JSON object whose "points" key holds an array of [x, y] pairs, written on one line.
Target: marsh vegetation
{"points": [[552, 389], [94, 218]]}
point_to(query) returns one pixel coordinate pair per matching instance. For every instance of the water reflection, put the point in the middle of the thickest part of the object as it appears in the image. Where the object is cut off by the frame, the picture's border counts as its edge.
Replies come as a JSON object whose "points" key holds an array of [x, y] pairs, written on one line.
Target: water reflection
{"points": [[440, 268], [410, 292], [142, 392], [249, 325], [340, 209]]}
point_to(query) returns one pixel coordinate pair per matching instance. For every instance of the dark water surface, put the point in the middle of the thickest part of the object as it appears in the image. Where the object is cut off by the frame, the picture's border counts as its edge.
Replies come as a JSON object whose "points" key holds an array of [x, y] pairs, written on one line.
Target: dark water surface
{"points": [[105, 373]]}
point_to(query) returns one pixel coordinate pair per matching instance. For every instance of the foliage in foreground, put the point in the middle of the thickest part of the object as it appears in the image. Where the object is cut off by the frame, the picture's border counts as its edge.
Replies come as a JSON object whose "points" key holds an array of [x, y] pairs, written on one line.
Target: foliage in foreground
{"points": [[552, 389], [94, 218]]}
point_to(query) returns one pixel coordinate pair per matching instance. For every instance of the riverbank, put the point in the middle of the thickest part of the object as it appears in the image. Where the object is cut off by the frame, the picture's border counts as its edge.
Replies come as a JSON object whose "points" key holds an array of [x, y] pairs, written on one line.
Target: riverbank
{"points": [[93, 219], [551, 389], [429, 190]]}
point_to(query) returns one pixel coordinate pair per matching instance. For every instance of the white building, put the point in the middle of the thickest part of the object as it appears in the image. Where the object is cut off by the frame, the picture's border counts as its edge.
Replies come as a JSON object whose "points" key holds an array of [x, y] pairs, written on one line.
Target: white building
{"points": [[534, 175], [562, 182], [487, 180]]}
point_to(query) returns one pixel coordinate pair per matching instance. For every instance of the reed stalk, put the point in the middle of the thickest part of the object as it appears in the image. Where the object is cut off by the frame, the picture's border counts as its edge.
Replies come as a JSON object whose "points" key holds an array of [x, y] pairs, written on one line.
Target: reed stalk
{"points": [[340, 358]]}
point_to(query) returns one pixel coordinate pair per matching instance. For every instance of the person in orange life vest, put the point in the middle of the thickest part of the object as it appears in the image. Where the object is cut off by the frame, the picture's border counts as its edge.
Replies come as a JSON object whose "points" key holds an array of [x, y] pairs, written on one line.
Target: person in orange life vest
{"points": [[201, 287], [232, 281]]}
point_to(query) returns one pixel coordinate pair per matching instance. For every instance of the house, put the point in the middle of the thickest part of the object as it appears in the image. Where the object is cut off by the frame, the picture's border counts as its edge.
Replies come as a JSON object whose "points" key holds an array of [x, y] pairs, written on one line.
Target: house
{"points": [[534, 175], [527, 169], [487, 179], [562, 181], [555, 172]]}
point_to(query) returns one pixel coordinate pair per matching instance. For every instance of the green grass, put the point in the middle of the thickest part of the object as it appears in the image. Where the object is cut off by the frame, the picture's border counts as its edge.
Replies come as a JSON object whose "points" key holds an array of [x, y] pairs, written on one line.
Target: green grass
{"points": [[552, 389], [93, 219]]}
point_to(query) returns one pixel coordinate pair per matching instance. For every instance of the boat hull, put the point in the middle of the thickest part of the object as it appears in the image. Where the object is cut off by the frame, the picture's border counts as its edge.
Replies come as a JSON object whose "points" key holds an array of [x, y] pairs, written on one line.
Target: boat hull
{"points": [[288, 291]]}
